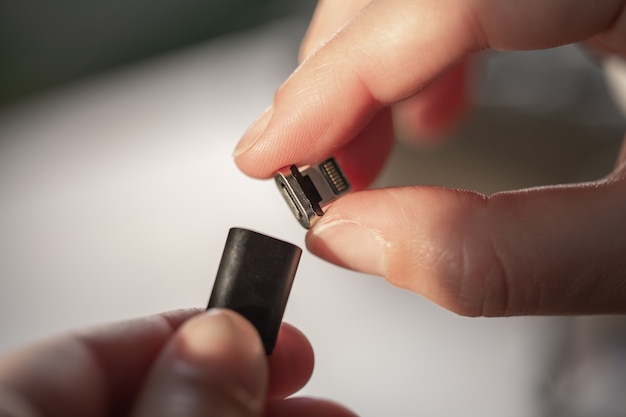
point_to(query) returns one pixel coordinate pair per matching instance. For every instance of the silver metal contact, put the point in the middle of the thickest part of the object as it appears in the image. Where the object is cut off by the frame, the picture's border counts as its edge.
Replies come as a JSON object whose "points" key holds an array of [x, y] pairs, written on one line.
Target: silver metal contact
{"points": [[308, 191]]}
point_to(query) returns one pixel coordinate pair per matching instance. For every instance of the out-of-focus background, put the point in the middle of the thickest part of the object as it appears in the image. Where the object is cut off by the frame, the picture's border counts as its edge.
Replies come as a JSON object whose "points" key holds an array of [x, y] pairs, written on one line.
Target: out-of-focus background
{"points": [[117, 190]]}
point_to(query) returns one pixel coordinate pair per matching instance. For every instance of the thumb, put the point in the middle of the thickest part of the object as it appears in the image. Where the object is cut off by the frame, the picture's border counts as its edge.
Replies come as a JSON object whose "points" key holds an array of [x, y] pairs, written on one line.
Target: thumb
{"points": [[213, 366], [550, 250]]}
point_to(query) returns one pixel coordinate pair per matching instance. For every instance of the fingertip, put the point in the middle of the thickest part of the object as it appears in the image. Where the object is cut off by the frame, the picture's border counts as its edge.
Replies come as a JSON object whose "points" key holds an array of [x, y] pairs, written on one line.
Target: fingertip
{"points": [[214, 363], [358, 230], [254, 132], [218, 335], [361, 155], [291, 363], [349, 243]]}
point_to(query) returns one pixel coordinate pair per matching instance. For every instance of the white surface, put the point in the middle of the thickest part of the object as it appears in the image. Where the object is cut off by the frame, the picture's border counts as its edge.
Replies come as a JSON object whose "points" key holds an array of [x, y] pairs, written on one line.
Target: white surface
{"points": [[117, 195]]}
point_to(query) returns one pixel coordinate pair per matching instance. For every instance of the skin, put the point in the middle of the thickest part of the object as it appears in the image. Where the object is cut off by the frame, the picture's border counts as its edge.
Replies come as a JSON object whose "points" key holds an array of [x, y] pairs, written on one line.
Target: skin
{"points": [[183, 363], [550, 250], [366, 64]]}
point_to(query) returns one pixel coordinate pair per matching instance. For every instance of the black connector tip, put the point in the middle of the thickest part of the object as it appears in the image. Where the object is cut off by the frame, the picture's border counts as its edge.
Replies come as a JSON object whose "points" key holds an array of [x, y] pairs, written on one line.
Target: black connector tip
{"points": [[254, 279]]}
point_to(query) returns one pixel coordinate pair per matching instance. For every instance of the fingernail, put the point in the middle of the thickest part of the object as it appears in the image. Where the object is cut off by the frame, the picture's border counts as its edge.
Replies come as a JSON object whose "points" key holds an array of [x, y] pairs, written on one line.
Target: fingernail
{"points": [[350, 244], [251, 136], [222, 342], [203, 336]]}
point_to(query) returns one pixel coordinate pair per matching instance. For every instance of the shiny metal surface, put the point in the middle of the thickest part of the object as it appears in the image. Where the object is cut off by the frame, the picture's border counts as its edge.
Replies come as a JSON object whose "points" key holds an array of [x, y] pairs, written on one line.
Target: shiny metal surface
{"points": [[307, 192]]}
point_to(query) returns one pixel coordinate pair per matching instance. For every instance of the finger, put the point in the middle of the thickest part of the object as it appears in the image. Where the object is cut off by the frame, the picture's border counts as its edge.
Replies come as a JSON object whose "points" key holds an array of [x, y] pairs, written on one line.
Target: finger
{"points": [[328, 18], [363, 158], [290, 364], [621, 158], [93, 373], [215, 365], [389, 52], [554, 250], [422, 117], [428, 115], [307, 407]]}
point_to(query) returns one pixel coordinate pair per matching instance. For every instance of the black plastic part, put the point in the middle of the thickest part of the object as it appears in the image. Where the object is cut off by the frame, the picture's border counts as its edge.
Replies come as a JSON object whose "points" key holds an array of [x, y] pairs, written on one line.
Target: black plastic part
{"points": [[254, 279], [308, 188]]}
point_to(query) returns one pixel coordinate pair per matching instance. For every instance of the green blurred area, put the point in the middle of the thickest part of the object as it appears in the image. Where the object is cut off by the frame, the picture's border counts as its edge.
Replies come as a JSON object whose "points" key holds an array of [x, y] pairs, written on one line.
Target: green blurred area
{"points": [[46, 43]]}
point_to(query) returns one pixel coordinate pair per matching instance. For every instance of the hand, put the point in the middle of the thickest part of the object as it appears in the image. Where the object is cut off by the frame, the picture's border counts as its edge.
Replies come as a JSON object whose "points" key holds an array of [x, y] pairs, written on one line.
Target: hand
{"points": [[550, 250], [211, 364]]}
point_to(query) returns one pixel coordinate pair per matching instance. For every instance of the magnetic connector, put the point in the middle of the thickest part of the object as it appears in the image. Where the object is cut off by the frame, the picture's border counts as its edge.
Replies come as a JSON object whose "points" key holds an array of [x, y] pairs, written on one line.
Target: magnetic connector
{"points": [[254, 279], [308, 191]]}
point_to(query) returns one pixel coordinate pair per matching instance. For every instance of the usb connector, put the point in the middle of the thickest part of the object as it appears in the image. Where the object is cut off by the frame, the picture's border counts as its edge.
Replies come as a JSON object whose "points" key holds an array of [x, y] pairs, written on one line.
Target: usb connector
{"points": [[308, 191]]}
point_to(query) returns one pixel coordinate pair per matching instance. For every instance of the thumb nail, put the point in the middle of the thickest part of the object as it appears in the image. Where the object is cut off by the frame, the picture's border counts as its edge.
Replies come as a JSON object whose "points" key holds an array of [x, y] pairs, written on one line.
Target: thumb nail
{"points": [[350, 244], [214, 365]]}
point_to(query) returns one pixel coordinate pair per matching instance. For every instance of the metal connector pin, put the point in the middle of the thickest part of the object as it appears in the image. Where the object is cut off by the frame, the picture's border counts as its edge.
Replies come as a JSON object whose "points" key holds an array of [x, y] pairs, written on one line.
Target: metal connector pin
{"points": [[307, 191]]}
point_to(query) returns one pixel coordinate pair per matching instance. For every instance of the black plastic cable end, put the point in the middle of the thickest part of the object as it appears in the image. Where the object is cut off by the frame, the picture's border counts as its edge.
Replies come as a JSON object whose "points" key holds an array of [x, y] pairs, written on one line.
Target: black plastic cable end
{"points": [[254, 279]]}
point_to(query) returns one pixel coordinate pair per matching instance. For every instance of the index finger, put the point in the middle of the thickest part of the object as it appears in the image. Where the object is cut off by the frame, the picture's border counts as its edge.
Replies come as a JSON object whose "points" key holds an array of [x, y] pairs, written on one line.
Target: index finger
{"points": [[390, 51]]}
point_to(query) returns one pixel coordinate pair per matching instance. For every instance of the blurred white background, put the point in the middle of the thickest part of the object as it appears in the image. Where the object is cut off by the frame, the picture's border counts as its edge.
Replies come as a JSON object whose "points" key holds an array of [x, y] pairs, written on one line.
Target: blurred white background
{"points": [[117, 192]]}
